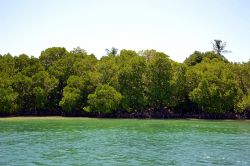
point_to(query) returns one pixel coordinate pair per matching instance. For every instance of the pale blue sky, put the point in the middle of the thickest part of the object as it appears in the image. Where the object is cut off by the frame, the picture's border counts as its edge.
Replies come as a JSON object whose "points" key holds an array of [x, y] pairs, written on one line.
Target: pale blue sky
{"points": [[176, 27]]}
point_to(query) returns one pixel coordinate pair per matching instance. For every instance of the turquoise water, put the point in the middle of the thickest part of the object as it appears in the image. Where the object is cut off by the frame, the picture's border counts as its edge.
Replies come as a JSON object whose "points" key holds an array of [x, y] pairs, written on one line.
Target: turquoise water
{"points": [[76, 141]]}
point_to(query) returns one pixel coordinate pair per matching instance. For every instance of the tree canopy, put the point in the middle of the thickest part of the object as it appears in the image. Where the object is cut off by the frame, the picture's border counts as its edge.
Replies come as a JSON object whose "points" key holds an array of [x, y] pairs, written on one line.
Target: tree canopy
{"points": [[148, 82]]}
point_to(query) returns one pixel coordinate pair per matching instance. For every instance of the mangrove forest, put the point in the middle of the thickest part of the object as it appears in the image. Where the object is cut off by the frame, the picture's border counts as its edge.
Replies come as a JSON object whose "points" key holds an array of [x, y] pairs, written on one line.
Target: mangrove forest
{"points": [[124, 84]]}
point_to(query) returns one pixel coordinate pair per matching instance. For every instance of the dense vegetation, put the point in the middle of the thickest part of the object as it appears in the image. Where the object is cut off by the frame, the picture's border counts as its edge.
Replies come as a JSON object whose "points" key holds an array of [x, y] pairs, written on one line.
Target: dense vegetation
{"points": [[128, 84]]}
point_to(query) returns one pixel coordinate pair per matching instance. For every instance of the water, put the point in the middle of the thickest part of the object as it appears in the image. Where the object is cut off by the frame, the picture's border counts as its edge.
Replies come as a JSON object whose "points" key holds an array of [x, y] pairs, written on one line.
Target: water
{"points": [[76, 141]]}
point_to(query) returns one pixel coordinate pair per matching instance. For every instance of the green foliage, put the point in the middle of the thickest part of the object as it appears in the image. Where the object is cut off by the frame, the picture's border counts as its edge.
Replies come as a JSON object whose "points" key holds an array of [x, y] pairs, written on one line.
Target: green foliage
{"points": [[78, 52], [149, 54], [8, 99], [108, 69], [43, 86], [207, 57], [105, 99], [194, 58], [130, 81], [84, 65], [40, 97], [244, 104], [112, 52], [21, 62], [72, 94], [45, 81], [23, 86], [242, 76], [77, 90], [34, 67], [7, 65], [158, 77], [179, 85], [213, 57], [219, 47], [70, 99], [51, 55], [77, 62], [127, 54], [216, 91]]}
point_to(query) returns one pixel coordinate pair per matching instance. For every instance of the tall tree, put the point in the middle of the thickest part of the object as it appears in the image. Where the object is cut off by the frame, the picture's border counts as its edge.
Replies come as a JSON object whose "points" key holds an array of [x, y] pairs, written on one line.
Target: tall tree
{"points": [[158, 77], [131, 79], [112, 52], [216, 92], [23, 86], [8, 103], [50, 55], [105, 99], [108, 68], [219, 47]]}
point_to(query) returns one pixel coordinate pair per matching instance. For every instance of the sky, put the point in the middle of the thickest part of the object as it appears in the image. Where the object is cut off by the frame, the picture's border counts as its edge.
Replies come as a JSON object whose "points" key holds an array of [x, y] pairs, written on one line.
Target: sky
{"points": [[176, 27]]}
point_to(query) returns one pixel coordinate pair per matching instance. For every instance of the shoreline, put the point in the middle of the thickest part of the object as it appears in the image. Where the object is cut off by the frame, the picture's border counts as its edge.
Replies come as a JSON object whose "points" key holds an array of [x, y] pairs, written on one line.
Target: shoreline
{"points": [[110, 118]]}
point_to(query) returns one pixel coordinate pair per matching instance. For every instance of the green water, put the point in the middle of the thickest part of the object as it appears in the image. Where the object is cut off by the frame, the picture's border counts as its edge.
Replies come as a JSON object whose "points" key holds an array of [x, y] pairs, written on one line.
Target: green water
{"points": [[69, 141]]}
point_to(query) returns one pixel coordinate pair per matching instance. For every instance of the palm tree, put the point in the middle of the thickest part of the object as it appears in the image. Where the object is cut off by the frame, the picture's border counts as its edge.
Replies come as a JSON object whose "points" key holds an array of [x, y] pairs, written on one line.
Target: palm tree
{"points": [[219, 47], [113, 51]]}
